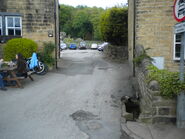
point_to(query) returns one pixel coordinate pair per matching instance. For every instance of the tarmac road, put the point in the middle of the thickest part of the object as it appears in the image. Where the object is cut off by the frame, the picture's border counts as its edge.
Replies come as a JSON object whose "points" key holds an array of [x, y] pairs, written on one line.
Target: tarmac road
{"points": [[80, 100]]}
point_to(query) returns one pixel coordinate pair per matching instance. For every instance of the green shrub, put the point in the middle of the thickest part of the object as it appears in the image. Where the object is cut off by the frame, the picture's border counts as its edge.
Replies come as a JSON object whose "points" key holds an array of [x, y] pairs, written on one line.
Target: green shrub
{"points": [[19, 45], [114, 25], [46, 55], [169, 82]]}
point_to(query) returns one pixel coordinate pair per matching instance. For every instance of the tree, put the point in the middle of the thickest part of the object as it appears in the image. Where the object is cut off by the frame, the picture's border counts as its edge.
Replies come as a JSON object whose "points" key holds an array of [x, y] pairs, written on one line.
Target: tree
{"points": [[81, 21], [95, 18], [81, 25], [66, 16], [114, 25]]}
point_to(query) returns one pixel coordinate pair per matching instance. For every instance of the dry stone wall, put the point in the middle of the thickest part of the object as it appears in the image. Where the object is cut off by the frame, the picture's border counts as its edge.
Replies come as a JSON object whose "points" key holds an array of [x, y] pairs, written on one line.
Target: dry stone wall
{"points": [[116, 52], [154, 108]]}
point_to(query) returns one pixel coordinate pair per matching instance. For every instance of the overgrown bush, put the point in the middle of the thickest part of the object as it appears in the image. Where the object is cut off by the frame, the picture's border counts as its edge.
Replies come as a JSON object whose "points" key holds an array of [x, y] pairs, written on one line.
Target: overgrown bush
{"points": [[114, 25], [46, 55], [169, 82], [19, 45]]}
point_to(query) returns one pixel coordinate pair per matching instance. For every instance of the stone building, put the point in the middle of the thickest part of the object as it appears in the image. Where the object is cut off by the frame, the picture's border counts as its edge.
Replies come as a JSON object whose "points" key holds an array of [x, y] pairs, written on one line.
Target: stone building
{"points": [[34, 19], [151, 25]]}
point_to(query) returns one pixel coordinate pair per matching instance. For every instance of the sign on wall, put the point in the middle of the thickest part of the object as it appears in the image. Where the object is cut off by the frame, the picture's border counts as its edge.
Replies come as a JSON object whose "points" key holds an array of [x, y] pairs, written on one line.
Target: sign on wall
{"points": [[179, 10], [179, 28], [158, 62]]}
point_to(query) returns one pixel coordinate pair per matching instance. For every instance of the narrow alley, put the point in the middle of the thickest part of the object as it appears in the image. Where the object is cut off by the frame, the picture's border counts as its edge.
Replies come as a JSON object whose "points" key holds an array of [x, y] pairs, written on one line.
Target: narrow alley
{"points": [[80, 100]]}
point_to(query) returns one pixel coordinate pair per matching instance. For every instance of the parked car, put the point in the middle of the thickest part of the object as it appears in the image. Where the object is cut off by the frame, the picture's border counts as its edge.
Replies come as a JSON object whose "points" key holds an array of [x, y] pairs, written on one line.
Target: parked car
{"points": [[82, 45], [102, 46], [94, 46], [72, 46], [63, 46]]}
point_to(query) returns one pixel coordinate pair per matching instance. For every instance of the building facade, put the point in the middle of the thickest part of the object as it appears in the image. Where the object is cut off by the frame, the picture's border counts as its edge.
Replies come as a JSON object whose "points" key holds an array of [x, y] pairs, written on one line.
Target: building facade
{"points": [[151, 25], [34, 19]]}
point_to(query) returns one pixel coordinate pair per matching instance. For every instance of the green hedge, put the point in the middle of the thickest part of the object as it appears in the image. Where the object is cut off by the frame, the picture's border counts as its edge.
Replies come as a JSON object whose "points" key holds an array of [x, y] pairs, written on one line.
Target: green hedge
{"points": [[19, 45], [169, 82], [114, 25], [46, 55]]}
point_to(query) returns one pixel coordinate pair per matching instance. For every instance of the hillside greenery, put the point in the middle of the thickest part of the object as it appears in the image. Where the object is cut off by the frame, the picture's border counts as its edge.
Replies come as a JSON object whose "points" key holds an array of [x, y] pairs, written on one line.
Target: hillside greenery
{"points": [[95, 23]]}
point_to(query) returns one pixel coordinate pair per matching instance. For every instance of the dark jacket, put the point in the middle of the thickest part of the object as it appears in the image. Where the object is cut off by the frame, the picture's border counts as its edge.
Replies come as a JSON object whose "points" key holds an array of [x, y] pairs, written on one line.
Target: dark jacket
{"points": [[21, 66]]}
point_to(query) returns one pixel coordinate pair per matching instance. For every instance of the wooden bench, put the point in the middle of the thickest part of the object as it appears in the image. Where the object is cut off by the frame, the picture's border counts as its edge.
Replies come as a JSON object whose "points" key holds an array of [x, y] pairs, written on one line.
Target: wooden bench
{"points": [[17, 79], [29, 73]]}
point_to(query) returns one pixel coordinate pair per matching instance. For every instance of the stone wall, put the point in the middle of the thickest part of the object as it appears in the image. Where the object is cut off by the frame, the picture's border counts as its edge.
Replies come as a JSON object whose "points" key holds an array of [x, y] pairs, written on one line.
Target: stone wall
{"points": [[37, 17], [153, 29], [154, 108], [116, 52]]}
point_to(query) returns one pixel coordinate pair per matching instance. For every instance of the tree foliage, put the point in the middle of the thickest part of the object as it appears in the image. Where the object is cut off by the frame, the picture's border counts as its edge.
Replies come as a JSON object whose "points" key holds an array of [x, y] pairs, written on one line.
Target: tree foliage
{"points": [[66, 16], [95, 23], [81, 21], [113, 25], [81, 25]]}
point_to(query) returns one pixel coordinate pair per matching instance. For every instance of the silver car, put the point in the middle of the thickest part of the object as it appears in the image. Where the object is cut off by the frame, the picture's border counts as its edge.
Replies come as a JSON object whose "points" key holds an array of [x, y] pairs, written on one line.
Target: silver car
{"points": [[102, 46], [94, 46], [82, 45], [63, 46]]}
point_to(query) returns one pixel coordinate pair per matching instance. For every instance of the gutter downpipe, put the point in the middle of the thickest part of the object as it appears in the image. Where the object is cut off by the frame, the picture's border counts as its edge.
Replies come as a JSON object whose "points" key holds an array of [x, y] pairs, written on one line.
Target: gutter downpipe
{"points": [[134, 37], [59, 32], [55, 18]]}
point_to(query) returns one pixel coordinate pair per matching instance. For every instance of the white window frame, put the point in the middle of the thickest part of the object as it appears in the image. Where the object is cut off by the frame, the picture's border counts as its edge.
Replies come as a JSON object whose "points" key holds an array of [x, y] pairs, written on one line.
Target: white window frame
{"points": [[14, 28], [1, 27], [174, 52]]}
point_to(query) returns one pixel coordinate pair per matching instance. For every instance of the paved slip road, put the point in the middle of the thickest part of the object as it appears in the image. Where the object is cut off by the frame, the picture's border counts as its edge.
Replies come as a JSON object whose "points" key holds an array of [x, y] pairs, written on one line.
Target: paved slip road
{"points": [[81, 100]]}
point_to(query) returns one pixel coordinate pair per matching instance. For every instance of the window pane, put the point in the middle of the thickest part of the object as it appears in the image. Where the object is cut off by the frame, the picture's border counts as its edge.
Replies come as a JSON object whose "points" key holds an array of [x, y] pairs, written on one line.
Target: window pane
{"points": [[177, 50], [17, 22], [1, 26], [18, 32], [10, 22], [10, 31], [13, 26], [0, 22], [178, 38]]}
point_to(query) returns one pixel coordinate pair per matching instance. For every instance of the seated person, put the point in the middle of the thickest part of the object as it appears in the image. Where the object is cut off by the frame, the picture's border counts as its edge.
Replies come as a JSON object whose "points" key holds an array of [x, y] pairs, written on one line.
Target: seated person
{"points": [[2, 84], [21, 66]]}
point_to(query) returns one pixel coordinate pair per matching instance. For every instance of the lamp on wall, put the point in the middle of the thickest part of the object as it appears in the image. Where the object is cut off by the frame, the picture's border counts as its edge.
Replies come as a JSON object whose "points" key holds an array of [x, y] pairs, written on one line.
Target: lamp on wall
{"points": [[50, 33]]}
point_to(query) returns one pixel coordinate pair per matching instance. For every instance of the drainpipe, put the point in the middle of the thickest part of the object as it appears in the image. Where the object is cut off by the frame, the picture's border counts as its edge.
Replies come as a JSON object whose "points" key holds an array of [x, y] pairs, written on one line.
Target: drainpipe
{"points": [[59, 34], [55, 19], [134, 36], [181, 97]]}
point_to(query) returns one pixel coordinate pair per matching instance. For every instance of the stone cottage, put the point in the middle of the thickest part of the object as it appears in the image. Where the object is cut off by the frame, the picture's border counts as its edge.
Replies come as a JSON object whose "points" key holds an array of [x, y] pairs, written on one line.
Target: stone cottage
{"points": [[151, 25], [34, 19]]}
